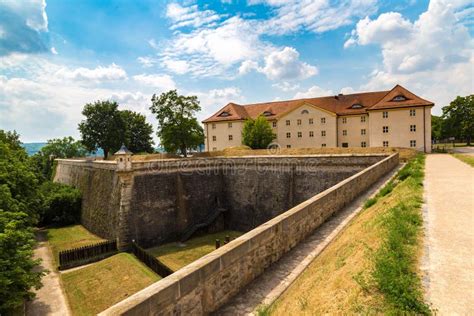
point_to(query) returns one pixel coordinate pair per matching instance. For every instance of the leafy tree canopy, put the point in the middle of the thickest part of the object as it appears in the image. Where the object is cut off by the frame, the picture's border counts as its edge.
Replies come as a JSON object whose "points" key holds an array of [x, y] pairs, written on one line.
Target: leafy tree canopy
{"points": [[137, 132], [103, 127], [178, 128], [257, 134], [459, 118]]}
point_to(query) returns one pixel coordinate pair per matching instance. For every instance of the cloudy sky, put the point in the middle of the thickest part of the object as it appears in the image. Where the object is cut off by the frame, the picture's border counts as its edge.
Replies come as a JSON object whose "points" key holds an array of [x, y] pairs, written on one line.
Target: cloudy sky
{"points": [[56, 55]]}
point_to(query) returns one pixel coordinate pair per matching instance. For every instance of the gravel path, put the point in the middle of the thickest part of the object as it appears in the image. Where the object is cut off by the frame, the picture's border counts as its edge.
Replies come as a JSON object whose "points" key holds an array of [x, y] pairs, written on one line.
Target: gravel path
{"points": [[265, 289], [448, 260], [50, 299]]}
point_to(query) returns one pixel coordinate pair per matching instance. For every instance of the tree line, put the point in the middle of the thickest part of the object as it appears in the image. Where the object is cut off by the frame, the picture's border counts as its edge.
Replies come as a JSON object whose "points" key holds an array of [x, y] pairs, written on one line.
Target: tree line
{"points": [[456, 122]]}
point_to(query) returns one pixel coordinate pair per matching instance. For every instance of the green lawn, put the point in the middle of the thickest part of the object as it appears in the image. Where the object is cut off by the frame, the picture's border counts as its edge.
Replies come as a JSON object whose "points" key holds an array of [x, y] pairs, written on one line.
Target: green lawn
{"points": [[176, 256], [469, 159], [70, 237], [100, 285]]}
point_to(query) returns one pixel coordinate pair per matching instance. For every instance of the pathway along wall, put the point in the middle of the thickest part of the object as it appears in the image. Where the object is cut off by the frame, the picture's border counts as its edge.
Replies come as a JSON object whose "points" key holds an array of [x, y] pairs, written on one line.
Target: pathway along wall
{"points": [[208, 283], [157, 200]]}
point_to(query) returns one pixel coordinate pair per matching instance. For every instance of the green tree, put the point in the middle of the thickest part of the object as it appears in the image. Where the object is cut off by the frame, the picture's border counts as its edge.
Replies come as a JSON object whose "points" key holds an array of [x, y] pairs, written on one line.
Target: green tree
{"points": [[258, 133], [436, 127], [65, 147], [137, 132], [178, 128], [103, 127], [19, 203], [459, 118], [61, 204]]}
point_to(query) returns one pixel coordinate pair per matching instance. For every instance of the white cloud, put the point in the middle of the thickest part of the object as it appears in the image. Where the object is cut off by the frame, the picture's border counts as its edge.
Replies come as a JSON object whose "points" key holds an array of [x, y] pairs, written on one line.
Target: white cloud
{"points": [[146, 61], [54, 51], [162, 82], [313, 92], [189, 16], [98, 74], [214, 99], [286, 86], [176, 66], [431, 56], [347, 90], [285, 65]]}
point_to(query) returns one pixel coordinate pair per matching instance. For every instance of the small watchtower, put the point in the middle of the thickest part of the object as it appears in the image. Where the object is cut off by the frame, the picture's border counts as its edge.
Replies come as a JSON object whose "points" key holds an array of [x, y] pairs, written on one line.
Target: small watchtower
{"points": [[124, 159]]}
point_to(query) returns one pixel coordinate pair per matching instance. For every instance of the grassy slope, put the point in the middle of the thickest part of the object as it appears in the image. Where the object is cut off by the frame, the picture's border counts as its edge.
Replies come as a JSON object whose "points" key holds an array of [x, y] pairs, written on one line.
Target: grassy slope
{"points": [[469, 159], [176, 257], [70, 237], [94, 288], [346, 277]]}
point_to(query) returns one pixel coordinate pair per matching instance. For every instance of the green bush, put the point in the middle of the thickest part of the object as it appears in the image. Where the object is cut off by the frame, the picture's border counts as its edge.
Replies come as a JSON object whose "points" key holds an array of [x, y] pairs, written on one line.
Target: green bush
{"points": [[370, 202], [61, 204]]}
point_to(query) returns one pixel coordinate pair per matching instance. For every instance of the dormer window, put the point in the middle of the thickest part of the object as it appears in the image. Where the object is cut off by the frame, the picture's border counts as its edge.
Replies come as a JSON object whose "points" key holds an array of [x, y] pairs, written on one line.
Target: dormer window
{"points": [[399, 98], [267, 113], [224, 114], [357, 106], [304, 112]]}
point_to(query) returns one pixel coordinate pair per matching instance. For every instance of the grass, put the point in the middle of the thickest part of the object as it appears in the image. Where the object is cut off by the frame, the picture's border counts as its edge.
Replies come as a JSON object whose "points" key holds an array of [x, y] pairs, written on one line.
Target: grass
{"points": [[70, 237], [96, 287], [176, 256], [371, 266], [469, 159]]}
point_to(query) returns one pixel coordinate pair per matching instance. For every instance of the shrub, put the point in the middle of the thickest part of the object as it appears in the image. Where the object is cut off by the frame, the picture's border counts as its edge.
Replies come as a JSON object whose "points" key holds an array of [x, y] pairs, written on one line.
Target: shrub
{"points": [[61, 204]]}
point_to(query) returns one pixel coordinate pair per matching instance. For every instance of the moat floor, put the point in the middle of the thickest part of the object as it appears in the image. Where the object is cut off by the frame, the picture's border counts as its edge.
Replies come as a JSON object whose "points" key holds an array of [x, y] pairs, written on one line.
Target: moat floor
{"points": [[278, 277], [449, 242]]}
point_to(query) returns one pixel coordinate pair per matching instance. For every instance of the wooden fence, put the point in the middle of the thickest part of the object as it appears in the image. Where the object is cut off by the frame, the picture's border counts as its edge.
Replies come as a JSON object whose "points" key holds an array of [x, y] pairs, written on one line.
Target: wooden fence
{"points": [[87, 254], [153, 263]]}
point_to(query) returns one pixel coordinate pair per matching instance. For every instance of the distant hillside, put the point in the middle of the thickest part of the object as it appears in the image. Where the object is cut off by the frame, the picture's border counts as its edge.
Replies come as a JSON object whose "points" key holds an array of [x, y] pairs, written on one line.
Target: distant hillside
{"points": [[32, 148]]}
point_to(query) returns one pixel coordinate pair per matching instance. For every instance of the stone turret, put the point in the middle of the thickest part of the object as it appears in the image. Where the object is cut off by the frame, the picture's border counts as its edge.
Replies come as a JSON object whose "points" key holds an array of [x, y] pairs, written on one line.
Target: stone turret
{"points": [[124, 159]]}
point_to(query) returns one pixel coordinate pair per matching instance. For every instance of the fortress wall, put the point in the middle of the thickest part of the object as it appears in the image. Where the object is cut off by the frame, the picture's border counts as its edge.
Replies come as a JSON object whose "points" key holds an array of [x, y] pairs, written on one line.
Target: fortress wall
{"points": [[100, 189], [209, 282]]}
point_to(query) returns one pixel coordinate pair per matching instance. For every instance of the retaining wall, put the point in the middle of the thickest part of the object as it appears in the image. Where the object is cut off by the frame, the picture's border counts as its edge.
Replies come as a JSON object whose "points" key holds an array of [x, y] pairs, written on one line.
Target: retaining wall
{"points": [[208, 283]]}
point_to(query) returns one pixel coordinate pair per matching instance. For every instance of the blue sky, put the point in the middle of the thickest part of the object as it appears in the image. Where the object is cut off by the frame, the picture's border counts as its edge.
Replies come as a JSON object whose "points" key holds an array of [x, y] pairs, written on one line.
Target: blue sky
{"points": [[56, 56]]}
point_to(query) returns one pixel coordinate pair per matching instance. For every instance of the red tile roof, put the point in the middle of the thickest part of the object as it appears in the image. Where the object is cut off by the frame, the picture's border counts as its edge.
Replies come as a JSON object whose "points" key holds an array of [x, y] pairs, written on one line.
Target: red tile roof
{"points": [[339, 105]]}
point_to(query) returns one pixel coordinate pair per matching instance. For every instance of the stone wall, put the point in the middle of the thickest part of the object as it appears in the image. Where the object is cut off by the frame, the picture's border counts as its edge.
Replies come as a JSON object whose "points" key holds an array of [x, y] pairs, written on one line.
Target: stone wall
{"points": [[208, 283]]}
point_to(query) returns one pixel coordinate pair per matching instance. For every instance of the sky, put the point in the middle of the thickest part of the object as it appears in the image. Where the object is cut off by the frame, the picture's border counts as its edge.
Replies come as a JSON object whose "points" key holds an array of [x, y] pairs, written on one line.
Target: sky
{"points": [[56, 55]]}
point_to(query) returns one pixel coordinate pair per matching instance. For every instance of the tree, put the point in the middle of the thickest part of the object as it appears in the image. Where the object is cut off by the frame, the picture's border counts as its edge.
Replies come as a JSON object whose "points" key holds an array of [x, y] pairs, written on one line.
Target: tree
{"points": [[103, 127], [137, 132], [18, 207], [61, 204], [459, 118], [178, 128], [66, 147], [436, 127], [258, 133]]}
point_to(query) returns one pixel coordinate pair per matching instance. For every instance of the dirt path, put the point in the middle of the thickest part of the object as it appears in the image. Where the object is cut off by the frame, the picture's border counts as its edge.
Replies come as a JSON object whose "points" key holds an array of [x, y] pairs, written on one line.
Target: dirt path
{"points": [[50, 299], [449, 242], [278, 277]]}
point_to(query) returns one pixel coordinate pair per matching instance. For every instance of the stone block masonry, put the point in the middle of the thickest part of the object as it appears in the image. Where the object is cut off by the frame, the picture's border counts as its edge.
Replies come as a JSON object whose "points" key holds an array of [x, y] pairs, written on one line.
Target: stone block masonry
{"points": [[156, 201], [208, 283]]}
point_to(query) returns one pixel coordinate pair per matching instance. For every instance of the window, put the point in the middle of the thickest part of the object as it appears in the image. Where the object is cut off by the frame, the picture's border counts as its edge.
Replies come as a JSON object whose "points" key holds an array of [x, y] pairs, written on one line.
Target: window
{"points": [[304, 112], [362, 119], [274, 124], [356, 106], [399, 97], [224, 114], [288, 146], [229, 125], [214, 148], [323, 145], [363, 144], [287, 122], [213, 125], [385, 114], [385, 129], [363, 131], [288, 135], [267, 113], [323, 133], [310, 121], [231, 137], [300, 134], [412, 112], [344, 120], [323, 120], [344, 132], [214, 138], [345, 145], [298, 122], [412, 128], [412, 143], [385, 143], [311, 134]]}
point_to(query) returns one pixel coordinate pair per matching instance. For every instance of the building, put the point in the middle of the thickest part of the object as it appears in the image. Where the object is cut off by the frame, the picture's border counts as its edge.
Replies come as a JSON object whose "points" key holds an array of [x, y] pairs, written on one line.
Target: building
{"points": [[394, 118]]}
